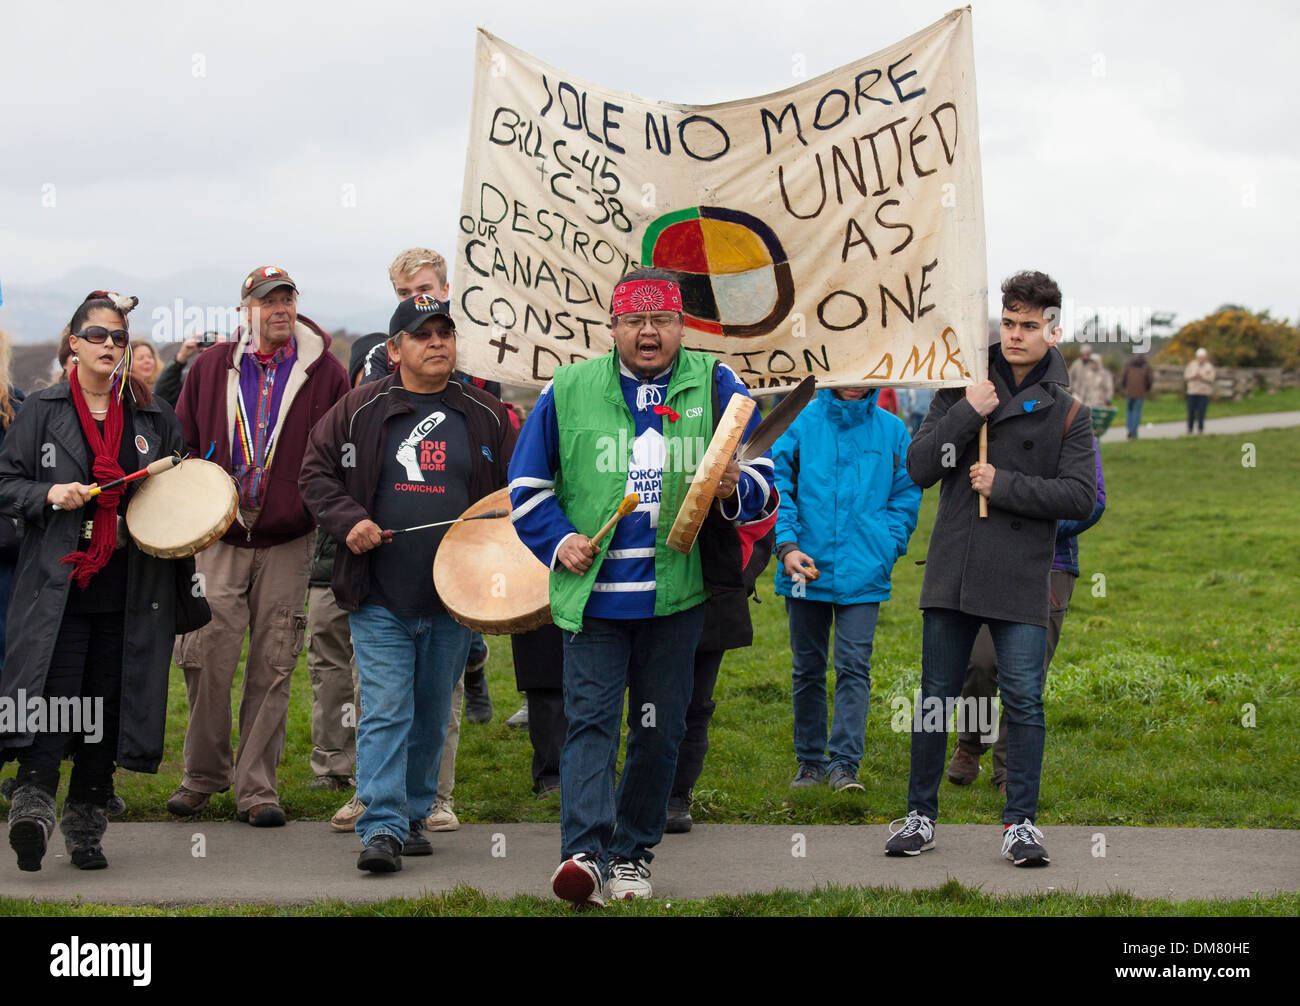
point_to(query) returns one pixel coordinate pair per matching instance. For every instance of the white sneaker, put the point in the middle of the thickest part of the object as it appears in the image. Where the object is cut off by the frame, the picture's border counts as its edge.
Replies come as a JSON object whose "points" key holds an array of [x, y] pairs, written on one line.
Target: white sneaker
{"points": [[520, 719], [348, 815], [1021, 844], [442, 818], [577, 880], [910, 836], [628, 879]]}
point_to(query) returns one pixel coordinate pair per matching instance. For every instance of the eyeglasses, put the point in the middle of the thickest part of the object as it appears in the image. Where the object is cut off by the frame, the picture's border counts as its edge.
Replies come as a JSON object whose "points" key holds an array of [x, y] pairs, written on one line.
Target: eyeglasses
{"points": [[661, 320], [96, 334]]}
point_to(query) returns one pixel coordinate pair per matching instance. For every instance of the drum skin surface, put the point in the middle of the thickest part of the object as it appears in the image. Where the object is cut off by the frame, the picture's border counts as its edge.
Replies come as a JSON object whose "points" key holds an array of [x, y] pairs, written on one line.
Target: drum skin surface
{"points": [[183, 510], [487, 578], [703, 487]]}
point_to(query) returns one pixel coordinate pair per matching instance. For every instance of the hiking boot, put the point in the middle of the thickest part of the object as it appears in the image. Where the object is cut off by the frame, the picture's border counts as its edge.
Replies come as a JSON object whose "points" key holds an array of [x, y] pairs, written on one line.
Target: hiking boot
{"points": [[577, 880], [31, 820], [417, 842], [679, 815], [914, 835], [83, 828], [1021, 845], [333, 782], [628, 879], [346, 817], [382, 854], [442, 817], [842, 779], [964, 768], [520, 719], [263, 815], [478, 703], [187, 802], [809, 775]]}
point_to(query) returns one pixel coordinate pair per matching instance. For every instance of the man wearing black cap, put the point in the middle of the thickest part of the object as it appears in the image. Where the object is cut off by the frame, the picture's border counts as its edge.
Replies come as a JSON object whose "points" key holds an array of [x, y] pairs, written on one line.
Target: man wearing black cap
{"points": [[248, 406], [412, 449]]}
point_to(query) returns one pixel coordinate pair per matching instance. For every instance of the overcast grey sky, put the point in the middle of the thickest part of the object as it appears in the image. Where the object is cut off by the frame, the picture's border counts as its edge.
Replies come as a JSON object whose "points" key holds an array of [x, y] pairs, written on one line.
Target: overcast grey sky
{"points": [[1145, 154]]}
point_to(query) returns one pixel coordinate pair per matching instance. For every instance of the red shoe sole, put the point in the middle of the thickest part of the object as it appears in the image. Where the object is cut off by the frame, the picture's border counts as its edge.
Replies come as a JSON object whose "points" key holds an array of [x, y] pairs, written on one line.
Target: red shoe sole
{"points": [[573, 883]]}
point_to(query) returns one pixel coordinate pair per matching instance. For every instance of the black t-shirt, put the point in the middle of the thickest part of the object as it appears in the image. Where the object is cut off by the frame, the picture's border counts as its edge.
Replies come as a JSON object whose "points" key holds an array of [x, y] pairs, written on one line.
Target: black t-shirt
{"points": [[106, 591], [425, 478]]}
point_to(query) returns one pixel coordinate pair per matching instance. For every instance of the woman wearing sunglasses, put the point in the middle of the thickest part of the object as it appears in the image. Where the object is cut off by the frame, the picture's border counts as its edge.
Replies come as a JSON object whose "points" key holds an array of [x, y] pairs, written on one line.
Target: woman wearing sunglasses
{"points": [[92, 617]]}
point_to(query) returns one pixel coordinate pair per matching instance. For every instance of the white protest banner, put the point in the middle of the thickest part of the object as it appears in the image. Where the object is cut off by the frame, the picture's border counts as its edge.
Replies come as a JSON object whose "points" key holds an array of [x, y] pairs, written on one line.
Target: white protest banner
{"points": [[835, 228]]}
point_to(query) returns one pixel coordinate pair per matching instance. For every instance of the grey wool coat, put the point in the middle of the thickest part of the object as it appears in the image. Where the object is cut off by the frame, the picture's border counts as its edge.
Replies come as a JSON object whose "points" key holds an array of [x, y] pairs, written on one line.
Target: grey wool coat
{"points": [[999, 567], [45, 445]]}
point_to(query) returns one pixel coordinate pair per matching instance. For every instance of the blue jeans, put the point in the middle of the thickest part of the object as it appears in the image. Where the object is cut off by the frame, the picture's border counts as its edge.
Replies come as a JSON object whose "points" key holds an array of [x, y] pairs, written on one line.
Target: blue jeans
{"points": [[946, 640], [408, 667], [1196, 406], [654, 659], [1133, 415], [855, 628]]}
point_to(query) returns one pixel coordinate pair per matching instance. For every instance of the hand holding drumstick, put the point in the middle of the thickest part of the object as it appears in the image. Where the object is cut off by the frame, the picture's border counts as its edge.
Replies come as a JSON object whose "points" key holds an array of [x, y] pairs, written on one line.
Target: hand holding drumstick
{"points": [[576, 552]]}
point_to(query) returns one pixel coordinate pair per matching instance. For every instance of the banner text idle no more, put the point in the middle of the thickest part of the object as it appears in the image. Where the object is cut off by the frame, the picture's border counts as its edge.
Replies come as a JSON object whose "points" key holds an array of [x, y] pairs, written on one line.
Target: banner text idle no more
{"points": [[830, 242]]}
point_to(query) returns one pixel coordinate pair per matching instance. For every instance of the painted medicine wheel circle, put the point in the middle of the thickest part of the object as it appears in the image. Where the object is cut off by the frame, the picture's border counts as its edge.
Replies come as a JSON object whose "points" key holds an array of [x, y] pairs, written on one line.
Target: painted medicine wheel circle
{"points": [[734, 274]]}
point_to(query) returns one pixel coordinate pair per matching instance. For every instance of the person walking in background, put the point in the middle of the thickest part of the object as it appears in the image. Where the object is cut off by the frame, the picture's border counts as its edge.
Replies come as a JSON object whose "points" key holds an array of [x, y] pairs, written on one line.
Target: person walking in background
{"points": [[914, 403], [11, 400], [1090, 380], [1135, 384], [144, 363], [848, 503], [1199, 375]]}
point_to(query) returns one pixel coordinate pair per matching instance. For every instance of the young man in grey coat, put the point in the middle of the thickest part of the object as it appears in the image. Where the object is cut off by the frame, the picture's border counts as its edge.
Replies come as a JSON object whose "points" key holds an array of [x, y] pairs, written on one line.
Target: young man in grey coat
{"points": [[994, 571]]}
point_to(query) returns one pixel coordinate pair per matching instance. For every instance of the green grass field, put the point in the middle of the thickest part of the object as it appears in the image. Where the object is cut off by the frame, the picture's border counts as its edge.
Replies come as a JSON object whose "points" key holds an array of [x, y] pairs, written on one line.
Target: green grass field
{"points": [[1183, 631], [1173, 408]]}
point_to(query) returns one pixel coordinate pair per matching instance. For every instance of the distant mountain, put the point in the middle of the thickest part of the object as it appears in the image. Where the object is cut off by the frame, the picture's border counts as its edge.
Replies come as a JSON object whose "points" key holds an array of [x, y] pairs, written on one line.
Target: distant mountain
{"points": [[37, 314]]}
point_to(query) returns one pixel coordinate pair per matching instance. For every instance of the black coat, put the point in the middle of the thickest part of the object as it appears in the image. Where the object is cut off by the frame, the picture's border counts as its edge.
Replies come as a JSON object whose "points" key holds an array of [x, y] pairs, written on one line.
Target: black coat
{"points": [[44, 446], [998, 567]]}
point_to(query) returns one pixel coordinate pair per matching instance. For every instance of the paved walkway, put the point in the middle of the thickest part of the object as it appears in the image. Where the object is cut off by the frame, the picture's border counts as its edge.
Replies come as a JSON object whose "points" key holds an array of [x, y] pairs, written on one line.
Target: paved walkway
{"points": [[154, 863], [1228, 424]]}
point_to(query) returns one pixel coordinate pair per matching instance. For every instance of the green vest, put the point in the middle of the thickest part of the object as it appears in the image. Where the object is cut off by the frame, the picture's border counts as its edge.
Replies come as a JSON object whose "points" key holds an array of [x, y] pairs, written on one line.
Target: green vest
{"points": [[597, 432]]}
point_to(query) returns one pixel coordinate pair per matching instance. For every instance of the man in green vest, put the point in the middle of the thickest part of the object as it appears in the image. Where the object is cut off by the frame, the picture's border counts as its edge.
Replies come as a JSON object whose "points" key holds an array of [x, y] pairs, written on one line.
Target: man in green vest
{"points": [[636, 420]]}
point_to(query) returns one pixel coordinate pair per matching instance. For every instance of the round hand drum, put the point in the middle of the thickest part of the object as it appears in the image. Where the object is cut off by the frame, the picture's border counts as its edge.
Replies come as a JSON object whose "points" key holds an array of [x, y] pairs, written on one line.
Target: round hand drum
{"points": [[179, 512], [486, 576], [703, 488]]}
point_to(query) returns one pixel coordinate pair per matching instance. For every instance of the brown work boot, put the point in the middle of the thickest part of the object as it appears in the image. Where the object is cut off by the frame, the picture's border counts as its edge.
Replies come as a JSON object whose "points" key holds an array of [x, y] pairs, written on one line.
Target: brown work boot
{"points": [[187, 802], [264, 815], [964, 768]]}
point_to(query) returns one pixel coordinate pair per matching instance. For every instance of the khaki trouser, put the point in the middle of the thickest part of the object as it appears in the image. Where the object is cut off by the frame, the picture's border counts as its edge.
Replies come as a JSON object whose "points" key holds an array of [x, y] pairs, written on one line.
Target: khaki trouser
{"points": [[336, 699], [261, 591], [331, 665]]}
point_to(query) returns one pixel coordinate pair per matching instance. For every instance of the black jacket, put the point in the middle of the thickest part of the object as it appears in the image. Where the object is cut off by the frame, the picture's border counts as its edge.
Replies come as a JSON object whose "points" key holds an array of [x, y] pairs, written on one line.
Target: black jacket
{"points": [[998, 567], [345, 455], [45, 446]]}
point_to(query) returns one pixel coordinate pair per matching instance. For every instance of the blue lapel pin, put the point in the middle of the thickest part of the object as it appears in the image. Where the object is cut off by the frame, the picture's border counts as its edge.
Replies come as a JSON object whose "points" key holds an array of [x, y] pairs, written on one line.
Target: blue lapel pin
{"points": [[1029, 406]]}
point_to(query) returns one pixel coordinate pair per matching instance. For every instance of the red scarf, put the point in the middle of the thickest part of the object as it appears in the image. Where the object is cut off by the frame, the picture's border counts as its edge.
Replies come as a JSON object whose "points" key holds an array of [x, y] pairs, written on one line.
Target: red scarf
{"points": [[105, 468]]}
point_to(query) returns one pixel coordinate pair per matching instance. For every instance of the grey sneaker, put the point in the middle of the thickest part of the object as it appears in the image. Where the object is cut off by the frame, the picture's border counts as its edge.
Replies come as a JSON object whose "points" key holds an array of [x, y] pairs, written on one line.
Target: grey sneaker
{"points": [[1021, 845], [520, 719], [809, 775], [910, 836], [843, 778], [679, 815]]}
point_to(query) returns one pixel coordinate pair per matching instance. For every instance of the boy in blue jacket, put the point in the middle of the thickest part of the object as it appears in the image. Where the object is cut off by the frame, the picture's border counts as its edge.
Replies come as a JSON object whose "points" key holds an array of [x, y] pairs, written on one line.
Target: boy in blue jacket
{"points": [[848, 507]]}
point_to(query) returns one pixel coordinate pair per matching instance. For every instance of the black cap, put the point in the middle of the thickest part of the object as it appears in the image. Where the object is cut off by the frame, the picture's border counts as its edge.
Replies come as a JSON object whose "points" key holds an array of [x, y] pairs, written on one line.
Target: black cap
{"points": [[415, 311]]}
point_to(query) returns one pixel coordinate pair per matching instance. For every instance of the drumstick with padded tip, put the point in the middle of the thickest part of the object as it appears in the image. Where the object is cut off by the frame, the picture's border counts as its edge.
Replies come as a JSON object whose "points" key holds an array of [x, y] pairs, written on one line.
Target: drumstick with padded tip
{"points": [[153, 468], [630, 503], [490, 515]]}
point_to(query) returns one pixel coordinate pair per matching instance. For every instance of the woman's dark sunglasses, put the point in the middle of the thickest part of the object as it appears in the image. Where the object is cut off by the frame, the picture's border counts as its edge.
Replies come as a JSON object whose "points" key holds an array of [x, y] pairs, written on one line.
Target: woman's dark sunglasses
{"points": [[98, 333]]}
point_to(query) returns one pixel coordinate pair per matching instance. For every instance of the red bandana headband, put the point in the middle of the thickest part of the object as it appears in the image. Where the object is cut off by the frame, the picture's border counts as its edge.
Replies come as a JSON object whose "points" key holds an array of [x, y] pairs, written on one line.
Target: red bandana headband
{"points": [[646, 295]]}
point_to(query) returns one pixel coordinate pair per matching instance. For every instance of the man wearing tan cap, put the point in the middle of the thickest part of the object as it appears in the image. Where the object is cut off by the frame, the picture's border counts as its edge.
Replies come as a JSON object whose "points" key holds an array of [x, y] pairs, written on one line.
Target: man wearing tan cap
{"points": [[248, 405]]}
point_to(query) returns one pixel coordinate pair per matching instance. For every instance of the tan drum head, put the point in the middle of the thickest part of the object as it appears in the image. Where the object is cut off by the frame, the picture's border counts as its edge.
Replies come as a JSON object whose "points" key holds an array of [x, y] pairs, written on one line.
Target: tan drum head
{"points": [[700, 493], [487, 578], [183, 510]]}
